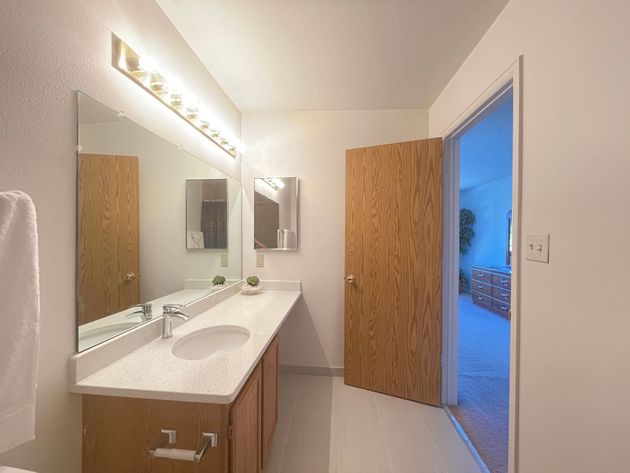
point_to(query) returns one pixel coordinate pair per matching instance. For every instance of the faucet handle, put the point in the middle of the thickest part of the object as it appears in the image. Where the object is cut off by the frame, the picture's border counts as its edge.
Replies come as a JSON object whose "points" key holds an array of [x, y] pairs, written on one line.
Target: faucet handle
{"points": [[145, 309], [172, 307]]}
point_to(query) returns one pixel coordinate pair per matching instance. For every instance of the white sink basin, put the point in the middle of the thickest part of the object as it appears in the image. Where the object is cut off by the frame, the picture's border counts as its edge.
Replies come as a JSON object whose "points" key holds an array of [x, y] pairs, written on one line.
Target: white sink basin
{"points": [[208, 341]]}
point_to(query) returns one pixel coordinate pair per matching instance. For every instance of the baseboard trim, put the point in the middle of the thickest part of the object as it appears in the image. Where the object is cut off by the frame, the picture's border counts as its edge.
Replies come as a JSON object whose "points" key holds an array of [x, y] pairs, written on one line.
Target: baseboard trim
{"points": [[312, 370], [471, 448]]}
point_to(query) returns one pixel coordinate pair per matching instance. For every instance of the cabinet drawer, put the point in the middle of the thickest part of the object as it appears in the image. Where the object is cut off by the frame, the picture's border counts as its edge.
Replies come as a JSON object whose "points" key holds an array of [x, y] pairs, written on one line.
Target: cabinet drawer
{"points": [[501, 308], [481, 275], [502, 280], [481, 287], [482, 299], [501, 293]]}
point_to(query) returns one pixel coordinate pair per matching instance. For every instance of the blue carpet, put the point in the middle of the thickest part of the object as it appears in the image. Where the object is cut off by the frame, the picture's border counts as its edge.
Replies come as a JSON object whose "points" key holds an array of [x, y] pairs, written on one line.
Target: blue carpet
{"points": [[484, 377]]}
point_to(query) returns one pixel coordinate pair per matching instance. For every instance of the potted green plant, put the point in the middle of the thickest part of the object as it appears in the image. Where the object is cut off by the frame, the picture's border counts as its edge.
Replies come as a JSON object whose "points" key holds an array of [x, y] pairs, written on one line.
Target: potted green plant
{"points": [[251, 285], [218, 280], [466, 234]]}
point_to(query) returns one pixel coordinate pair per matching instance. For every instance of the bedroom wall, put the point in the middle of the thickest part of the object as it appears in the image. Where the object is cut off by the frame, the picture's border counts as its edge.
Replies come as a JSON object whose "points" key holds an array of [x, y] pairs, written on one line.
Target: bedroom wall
{"points": [[490, 203]]}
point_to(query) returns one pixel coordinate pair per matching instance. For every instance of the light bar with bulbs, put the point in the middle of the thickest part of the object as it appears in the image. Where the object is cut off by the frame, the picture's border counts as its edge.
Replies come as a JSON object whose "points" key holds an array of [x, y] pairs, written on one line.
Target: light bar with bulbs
{"points": [[274, 182], [144, 72]]}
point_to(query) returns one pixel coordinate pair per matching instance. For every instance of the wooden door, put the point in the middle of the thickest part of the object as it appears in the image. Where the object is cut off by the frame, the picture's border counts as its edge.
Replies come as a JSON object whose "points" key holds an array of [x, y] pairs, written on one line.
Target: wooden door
{"points": [[269, 398], [246, 425], [394, 250], [108, 253]]}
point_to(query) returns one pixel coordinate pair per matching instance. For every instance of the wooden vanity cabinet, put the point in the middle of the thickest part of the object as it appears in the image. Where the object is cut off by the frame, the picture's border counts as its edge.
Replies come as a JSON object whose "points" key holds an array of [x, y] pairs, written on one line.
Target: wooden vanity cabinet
{"points": [[269, 398], [246, 426], [118, 432]]}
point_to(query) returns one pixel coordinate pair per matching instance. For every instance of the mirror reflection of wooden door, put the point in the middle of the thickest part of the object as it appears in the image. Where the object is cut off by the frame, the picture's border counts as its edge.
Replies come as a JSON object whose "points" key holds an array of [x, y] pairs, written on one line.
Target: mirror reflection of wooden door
{"points": [[108, 235], [393, 301]]}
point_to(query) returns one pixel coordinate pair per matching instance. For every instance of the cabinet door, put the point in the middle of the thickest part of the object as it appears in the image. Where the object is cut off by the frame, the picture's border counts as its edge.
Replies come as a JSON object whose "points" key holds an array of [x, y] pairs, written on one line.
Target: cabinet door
{"points": [[246, 426], [269, 397], [118, 433]]}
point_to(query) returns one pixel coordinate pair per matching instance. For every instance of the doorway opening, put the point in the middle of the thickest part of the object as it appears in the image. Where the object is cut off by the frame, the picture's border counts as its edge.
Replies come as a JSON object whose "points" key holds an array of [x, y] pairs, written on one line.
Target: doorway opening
{"points": [[485, 273], [481, 291]]}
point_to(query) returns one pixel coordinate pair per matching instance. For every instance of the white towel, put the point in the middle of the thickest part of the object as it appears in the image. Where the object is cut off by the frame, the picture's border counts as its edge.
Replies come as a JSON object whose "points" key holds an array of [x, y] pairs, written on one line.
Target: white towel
{"points": [[19, 318], [195, 240]]}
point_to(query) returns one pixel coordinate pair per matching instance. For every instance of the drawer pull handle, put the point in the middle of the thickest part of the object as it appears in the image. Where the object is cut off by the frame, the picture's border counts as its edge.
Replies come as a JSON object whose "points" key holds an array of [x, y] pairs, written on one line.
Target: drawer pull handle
{"points": [[479, 298], [504, 294], [480, 275], [503, 307], [169, 437], [504, 281], [479, 286]]}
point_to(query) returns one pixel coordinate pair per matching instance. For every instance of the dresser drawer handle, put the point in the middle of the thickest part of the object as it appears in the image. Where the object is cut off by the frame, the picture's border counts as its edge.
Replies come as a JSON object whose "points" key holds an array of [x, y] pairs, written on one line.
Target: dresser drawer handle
{"points": [[503, 307], [504, 281], [479, 298], [480, 286], [504, 294], [481, 275]]}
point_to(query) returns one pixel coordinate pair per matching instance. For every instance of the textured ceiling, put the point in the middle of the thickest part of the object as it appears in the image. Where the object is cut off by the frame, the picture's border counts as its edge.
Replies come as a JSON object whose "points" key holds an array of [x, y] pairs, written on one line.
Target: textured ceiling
{"points": [[332, 54]]}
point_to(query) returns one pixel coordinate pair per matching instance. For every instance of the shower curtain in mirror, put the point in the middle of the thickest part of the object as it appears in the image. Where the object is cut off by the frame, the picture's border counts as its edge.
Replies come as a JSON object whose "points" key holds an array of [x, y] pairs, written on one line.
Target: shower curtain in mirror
{"points": [[214, 223]]}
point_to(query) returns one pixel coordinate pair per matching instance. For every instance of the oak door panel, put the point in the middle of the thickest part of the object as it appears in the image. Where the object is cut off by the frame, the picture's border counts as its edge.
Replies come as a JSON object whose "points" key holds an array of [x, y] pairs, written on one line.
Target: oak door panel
{"points": [[394, 250], [108, 235], [269, 397], [246, 421]]}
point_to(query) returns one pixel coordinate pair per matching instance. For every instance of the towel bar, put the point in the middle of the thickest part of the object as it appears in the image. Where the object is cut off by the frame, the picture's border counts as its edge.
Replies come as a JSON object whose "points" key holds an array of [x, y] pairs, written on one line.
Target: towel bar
{"points": [[169, 437]]}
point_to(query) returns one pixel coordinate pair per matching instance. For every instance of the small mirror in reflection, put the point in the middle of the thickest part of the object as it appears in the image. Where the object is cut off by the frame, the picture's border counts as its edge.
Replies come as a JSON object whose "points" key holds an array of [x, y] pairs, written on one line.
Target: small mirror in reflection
{"points": [[276, 213], [206, 214]]}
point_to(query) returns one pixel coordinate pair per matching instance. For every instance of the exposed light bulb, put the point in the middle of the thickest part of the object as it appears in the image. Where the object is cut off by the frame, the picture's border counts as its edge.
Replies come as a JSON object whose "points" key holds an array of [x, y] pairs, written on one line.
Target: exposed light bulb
{"points": [[169, 90], [278, 182]]}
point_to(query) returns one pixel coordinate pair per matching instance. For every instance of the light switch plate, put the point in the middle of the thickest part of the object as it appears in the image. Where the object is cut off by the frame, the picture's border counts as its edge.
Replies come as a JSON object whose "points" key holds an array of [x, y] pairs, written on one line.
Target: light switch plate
{"points": [[538, 247], [260, 260], [224, 260]]}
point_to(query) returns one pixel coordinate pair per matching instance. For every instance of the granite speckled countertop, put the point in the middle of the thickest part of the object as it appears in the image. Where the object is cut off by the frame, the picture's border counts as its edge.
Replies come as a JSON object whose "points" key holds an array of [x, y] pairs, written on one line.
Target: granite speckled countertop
{"points": [[153, 372]]}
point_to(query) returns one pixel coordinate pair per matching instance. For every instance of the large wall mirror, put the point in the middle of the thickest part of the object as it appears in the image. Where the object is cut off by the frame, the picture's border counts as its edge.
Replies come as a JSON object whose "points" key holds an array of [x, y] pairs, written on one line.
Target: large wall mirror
{"points": [[155, 225], [276, 213]]}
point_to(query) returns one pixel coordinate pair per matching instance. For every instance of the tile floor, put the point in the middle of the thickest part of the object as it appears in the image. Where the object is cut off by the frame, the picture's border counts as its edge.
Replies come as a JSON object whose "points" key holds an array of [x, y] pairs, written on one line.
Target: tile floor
{"points": [[325, 426]]}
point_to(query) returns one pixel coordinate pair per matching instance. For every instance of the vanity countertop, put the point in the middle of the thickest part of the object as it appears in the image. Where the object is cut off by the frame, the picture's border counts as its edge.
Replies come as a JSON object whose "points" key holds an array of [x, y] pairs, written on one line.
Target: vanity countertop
{"points": [[153, 372]]}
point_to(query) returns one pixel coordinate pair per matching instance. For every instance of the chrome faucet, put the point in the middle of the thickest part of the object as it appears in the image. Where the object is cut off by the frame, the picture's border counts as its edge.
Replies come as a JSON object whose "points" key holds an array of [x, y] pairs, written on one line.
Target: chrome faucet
{"points": [[145, 309], [170, 311]]}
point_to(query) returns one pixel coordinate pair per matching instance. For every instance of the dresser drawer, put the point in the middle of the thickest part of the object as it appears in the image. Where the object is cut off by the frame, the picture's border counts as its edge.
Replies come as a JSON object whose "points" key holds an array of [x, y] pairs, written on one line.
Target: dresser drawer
{"points": [[501, 294], [482, 299], [481, 287], [501, 308], [481, 275], [502, 280]]}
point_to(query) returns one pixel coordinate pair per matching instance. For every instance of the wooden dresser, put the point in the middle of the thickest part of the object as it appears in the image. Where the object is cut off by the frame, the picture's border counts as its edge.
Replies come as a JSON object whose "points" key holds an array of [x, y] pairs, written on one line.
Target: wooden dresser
{"points": [[491, 288]]}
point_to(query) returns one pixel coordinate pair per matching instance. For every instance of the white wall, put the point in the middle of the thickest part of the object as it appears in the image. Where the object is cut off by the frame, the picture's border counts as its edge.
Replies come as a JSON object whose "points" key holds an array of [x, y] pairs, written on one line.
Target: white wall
{"points": [[163, 169], [575, 389], [49, 50], [311, 146]]}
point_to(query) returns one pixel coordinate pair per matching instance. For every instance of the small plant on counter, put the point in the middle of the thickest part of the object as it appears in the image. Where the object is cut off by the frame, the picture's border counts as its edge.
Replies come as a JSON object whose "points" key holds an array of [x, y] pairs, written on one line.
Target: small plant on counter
{"points": [[253, 281], [218, 280]]}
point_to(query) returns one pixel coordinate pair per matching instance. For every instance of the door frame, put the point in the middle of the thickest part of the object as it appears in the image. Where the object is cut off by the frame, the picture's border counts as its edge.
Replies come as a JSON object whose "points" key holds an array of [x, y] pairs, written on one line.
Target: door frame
{"points": [[511, 79]]}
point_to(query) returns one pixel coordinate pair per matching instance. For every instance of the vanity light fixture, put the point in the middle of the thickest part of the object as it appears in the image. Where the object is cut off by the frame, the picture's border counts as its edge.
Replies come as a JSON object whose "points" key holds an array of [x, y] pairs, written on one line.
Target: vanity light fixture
{"points": [[273, 182], [144, 72]]}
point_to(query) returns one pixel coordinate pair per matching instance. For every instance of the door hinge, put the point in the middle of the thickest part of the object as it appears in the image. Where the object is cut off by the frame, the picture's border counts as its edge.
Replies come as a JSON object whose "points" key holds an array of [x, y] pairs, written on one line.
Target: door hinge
{"points": [[230, 432]]}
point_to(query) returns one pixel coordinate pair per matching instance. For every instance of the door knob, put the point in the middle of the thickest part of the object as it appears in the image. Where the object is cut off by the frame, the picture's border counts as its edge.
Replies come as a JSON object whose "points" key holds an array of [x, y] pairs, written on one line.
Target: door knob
{"points": [[349, 279], [131, 276]]}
